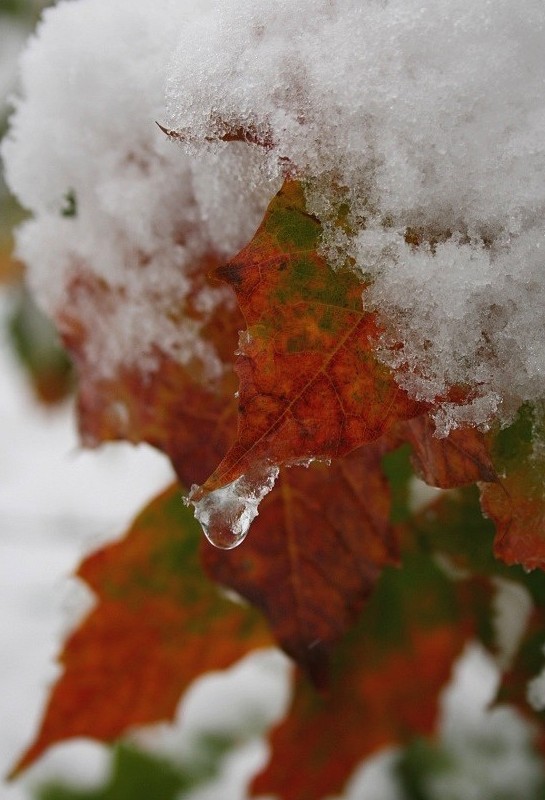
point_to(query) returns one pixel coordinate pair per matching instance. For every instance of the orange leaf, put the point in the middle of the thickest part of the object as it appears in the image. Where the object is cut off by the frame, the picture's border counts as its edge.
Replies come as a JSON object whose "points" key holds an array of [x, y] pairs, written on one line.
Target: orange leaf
{"points": [[158, 624], [192, 424], [310, 383], [314, 554], [458, 459], [518, 510], [516, 503], [387, 676], [174, 406]]}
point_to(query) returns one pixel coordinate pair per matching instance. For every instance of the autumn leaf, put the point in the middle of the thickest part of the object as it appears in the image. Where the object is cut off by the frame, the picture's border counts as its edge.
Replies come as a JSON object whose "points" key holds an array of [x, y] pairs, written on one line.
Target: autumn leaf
{"points": [[386, 680], [310, 383], [192, 424], [461, 458], [453, 525], [158, 624], [35, 342], [175, 406], [516, 503], [453, 528], [314, 554]]}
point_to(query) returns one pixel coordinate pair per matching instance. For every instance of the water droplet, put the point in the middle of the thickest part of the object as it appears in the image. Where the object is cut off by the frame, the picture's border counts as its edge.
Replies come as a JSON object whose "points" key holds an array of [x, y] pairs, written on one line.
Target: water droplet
{"points": [[227, 513], [223, 536]]}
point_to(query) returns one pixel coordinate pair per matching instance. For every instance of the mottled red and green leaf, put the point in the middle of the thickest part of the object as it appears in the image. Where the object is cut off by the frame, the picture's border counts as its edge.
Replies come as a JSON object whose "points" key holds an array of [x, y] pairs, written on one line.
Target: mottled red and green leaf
{"points": [[314, 553], [158, 624], [386, 681], [310, 382]]}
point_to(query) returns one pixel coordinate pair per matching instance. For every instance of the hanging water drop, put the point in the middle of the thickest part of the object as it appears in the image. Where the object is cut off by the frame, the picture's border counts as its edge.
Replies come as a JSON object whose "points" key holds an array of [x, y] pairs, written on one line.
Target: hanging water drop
{"points": [[226, 514], [222, 536]]}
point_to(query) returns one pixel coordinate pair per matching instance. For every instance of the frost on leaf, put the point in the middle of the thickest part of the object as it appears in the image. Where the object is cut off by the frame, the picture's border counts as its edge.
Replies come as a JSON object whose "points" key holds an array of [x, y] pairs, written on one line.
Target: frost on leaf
{"points": [[158, 624], [310, 383], [315, 552]]}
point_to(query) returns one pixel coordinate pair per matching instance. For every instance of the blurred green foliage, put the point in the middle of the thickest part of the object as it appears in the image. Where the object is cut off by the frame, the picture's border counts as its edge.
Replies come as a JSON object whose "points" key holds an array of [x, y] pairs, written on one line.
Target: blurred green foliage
{"points": [[135, 775]]}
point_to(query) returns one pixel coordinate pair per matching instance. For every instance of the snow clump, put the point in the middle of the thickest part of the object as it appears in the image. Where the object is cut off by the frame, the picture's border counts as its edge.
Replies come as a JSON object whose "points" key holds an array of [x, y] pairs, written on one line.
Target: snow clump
{"points": [[428, 118], [424, 118], [120, 219]]}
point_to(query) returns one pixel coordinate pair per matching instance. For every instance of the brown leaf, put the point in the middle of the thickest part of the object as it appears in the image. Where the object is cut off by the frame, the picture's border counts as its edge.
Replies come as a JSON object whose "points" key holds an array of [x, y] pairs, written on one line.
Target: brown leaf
{"points": [[461, 458], [158, 624], [517, 506], [310, 383], [314, 553], [192, 424], [173, 407], [516, 503], [387, 677]]}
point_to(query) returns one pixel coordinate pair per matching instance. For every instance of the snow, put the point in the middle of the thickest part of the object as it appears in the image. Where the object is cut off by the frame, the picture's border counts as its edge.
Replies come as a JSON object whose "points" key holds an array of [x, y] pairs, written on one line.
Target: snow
{"points": [[423, 116], [135, 222], [426, 117], [488, 749], [512, 607]]}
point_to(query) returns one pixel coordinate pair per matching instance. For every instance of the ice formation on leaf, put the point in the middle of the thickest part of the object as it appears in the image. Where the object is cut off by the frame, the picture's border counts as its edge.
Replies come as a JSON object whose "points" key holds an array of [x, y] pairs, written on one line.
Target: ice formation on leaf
{"points": [[227, 513], [310, 383], [315, 553]]}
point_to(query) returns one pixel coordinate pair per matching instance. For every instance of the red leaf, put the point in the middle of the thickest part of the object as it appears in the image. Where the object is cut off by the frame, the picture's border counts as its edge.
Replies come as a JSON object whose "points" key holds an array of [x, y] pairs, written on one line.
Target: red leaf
{"points": [[516, 503], [174, 407], [387, 676], [517, 506], [310, 384], [192, 424], [158, 624], [461, 458], [314, 554]]}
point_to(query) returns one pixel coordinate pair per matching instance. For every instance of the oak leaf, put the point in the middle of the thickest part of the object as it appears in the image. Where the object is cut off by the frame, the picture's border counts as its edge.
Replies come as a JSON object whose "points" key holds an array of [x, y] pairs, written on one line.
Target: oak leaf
{"points": [[158, 624], [314, 553], [386, 680], [310, 382]]}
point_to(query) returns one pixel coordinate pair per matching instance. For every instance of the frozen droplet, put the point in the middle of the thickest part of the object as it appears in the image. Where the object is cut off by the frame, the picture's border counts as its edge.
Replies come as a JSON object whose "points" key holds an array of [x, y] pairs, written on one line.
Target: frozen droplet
{"points": [[226, 514], [222, 536]]}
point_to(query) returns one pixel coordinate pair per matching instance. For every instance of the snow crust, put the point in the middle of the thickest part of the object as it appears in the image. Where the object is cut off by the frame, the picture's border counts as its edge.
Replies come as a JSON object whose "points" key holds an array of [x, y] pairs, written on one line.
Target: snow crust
{"points": [[427, 117], [113, 202], [424, 118]]}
